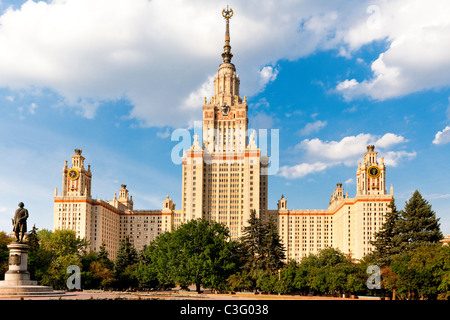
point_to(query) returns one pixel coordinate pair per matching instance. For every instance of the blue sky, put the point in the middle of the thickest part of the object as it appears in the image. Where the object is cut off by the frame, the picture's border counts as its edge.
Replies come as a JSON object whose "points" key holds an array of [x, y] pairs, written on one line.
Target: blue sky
{"points": [[116, 78]]}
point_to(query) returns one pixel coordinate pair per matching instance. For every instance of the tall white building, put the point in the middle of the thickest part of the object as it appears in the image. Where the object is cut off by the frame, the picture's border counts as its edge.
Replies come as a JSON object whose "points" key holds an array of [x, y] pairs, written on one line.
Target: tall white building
{"points": [[224, 177]]}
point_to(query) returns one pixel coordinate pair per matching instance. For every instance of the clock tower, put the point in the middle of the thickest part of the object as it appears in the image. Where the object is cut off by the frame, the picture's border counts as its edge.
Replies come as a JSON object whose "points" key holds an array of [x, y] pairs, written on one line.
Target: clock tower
{"points": [[76, 179], [371, 175]]}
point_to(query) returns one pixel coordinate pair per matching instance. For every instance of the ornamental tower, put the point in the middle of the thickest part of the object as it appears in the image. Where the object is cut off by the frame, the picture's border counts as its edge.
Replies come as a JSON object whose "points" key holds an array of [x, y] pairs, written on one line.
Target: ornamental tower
{"points": [[225, 119], [371, 175], [72, 208], [224, 174], [76, 179]]}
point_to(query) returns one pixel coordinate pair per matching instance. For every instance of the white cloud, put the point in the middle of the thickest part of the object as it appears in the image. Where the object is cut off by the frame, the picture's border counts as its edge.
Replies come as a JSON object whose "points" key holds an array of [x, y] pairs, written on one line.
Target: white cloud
{"points": [[348, 148], [348, 151], [351, 109], [393, 158], [90, 52], [301, 170], [389, 140], [195, 100], [158, 54], [267, 74], [163, 134], [417, 58], [261, 103], [32, 108], [438, 196], [155, 54], [313, 127], [442, 137], [336, 151], [349, 181], [346, 84]]}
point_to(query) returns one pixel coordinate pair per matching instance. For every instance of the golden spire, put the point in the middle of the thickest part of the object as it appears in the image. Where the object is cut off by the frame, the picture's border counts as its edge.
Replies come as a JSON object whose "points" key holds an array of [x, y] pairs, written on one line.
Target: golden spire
{"points": [[227, 55]]}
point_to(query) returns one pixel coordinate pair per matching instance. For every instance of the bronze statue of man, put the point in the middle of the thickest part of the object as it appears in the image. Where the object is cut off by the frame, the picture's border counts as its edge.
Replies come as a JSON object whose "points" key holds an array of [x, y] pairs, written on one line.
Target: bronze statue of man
{"points": [[20, 222]]}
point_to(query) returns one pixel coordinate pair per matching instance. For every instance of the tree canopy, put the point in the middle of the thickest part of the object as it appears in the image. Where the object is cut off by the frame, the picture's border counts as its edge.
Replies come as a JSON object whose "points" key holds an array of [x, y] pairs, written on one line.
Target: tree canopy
{"points": [[198, 252], [418, 223], [261, 247]]}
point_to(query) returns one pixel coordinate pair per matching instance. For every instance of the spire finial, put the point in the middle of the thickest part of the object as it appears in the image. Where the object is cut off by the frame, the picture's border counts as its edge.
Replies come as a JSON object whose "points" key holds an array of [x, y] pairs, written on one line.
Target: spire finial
{"points": [[227, 55], [227, 13]]}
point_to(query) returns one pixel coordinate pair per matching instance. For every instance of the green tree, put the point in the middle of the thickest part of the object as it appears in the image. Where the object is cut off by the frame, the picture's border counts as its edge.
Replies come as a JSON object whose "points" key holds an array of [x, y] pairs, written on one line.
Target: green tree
{"points": [[34, 260], [206, 253], [261, 252], [252, 243], [56, 274], [62, 242], [421, 272], [101, 277], [389, 281], [331, 257], [266, 281], [328, 272], [329, 275], [125, 264], [57, 251], [126, 255], [4, 253], [146, 275], [303, 276], [33, 240], [286, 278], [198, 252], [386, 242], [103, 258], [240, 281], [97, 270], [160, 261], [418, 223], [273, 252], [356, 280], [260, 246]]}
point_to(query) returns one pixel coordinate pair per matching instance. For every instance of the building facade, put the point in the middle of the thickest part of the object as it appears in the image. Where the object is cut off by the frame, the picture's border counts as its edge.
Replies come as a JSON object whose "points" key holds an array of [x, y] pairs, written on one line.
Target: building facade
{"points": [[105, 222], [224, 177], [348, 224]]}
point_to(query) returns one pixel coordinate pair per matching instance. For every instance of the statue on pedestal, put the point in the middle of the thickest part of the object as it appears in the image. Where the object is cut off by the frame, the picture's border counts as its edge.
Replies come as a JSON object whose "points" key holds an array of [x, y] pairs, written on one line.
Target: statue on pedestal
{"points": [[20, 222], [17, 279]]}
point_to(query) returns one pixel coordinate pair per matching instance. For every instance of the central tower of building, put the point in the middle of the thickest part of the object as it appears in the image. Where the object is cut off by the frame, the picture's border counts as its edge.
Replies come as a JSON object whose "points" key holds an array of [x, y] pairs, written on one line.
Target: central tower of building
{"points": [[224, 174]]}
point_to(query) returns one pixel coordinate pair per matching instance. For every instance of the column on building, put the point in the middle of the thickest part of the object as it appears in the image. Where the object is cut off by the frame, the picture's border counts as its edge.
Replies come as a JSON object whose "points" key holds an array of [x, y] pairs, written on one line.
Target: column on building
{"points": [[283, 223], [192, 182]]}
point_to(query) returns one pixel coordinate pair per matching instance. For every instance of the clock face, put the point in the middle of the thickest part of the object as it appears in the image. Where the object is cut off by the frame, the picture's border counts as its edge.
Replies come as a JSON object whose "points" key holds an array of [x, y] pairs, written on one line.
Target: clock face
{"points": [[74, 174], [373, 171], [225, 109]]}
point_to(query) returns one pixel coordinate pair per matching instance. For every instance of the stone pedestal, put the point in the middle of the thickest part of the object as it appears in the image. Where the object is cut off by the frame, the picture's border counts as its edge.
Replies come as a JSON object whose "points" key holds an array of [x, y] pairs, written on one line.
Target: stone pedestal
{"points": [[17, 279], [18, 262]]}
